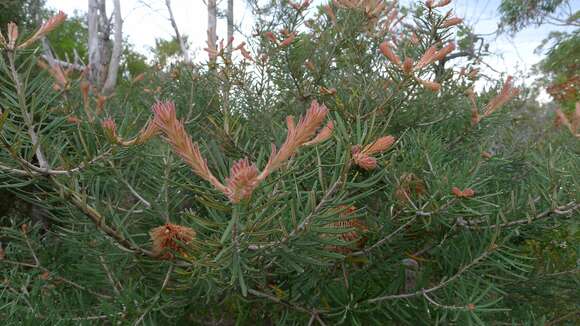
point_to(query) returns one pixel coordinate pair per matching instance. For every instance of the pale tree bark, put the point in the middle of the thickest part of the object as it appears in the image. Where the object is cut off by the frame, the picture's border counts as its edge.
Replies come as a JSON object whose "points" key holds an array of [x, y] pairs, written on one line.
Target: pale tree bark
{"points": [[93, 42], [178, 35], [212, 26], [114, 63], [230, 18], [104, 56]]}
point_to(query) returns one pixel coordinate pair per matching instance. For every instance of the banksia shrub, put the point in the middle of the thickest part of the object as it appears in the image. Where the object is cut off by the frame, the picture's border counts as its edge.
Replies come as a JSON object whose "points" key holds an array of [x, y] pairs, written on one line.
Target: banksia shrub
{"points": [[339, 169]]}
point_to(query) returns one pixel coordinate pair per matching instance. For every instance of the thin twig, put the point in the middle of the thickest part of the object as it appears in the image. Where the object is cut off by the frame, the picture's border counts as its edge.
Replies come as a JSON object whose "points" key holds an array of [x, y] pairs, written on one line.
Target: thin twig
{"points": [[163, 285], [441, 284], [304, 222]]}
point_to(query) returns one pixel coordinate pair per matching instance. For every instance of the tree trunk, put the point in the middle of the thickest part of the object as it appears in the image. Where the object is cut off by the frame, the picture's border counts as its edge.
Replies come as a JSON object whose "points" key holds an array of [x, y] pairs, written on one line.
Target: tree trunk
{"points": [[230, 16], [211, 26], [104, 56], [111, 80], [178, 35], [93, 43]]}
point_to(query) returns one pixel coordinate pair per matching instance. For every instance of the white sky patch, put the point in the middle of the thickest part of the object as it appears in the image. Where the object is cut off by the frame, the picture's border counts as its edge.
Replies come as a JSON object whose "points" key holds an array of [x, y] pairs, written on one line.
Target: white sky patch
{"points": [[147, 20]]}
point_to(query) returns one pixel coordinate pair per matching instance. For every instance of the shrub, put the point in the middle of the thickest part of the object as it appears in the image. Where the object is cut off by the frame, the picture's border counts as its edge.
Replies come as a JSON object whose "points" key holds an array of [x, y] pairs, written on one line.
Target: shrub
{"points": [[391, 199]]}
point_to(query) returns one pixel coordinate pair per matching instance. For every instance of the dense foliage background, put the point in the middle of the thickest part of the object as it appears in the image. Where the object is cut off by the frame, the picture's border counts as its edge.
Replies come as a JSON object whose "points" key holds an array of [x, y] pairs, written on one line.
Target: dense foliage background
{"points": [[468, 214]]}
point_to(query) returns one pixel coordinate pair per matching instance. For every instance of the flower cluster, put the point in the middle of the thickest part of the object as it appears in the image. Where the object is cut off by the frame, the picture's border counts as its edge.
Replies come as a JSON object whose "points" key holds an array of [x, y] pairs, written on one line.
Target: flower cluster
{"points": [[356, 234], [244, 176], [44, 29], [363, 157], [507, 93], [411, 68], [170, 237], [147, 132], [465, 193]]}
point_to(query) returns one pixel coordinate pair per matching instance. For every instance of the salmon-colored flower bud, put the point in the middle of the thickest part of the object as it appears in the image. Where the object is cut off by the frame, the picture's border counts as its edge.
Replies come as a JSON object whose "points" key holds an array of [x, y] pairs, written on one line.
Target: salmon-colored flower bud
{"points": [[242, 181], [561, 120], [170, 237], [45, 28], [441, 3], [365, 161], [451, 22], [101, 100], [110, 129], [138, 78], [429, 4], [297, 135], [328, 9], [287, 41], [441, 54], [475, 118], [180, 140], [271, 37], [246, 54], [432, 86], [379, 145], [486, 155], [85, 86], [389, 54], [322, 136], [414, 39], [356, 235], [466, 193], [12, 35], [73, 119], [408, 66], [327, 91], [507, 93]]}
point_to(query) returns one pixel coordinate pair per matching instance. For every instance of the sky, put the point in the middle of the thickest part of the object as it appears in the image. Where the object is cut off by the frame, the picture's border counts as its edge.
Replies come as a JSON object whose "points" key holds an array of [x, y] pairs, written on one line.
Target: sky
{"points": [[146, 20]]}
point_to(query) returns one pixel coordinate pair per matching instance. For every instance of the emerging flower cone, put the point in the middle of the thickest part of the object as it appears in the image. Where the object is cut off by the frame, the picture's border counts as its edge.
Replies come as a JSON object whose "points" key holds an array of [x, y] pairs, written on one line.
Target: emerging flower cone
{"points": [[348, 223], [244, 176], [170, 237], [364, 159], [466, 193]]}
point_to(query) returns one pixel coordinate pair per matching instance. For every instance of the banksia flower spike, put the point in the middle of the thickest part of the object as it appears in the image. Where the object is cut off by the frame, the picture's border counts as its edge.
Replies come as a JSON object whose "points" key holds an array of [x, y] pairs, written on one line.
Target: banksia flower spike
{"points": [[297, 136], [45, 28], [451, 22], [475, 117], [562, 120], [389, 54], [328, 9], [288, 40], [431, 4], [60, 76], [346, 222], [148, 132], [166, 120], [432, 86], [363, 157], [110, 129], [466, 193], [322, 136], [271, 37], [170, 237], [507, 93], [408, 66], [242, 181], [432, 55]]}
